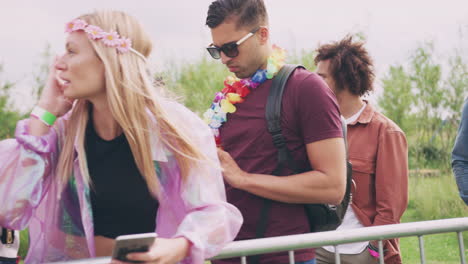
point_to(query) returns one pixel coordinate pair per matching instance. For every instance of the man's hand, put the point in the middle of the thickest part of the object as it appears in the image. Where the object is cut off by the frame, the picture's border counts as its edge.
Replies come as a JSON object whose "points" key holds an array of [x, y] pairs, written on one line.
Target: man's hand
{"points": [[234, 175]]}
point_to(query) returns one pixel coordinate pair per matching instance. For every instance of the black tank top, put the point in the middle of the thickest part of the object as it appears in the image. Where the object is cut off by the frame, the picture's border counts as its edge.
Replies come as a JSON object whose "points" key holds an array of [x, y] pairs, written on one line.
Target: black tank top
{"points": [[120, 199]]}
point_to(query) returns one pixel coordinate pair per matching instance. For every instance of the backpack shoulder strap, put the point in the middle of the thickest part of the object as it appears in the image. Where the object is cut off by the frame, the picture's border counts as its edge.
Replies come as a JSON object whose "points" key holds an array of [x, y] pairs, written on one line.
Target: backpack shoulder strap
{"points": [[344, 127], [273, 115], [273, 106]]}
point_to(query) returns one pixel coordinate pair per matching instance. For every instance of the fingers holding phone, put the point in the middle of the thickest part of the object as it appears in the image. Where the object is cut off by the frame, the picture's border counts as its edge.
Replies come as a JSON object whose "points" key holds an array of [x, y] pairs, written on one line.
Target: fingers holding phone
{"points": [[162, 251], [124, 245]]}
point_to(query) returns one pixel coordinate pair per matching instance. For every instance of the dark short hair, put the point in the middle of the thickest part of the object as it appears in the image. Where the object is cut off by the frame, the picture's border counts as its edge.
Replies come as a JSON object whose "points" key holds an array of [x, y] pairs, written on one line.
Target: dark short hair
{"points": [[350, 65], [248, 13]]}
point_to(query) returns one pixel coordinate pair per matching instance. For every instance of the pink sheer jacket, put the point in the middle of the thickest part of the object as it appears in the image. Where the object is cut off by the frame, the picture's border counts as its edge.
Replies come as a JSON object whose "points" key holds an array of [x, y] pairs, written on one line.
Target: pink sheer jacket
{"points": [[60, 220]]}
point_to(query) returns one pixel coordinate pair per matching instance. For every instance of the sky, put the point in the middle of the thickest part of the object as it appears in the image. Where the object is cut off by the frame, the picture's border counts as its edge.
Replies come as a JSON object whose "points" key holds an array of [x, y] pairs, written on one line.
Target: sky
{"points": [[393, 29]]}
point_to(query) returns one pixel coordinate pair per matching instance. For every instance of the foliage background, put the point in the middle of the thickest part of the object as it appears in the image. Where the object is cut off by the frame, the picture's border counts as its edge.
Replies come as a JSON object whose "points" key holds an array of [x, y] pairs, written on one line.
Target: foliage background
{"points": [[424, 96]]}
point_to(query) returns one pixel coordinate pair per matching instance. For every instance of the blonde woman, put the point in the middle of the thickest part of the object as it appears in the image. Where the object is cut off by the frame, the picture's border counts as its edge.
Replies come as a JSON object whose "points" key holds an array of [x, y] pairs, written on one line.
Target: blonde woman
{"points": [[119, 159]]}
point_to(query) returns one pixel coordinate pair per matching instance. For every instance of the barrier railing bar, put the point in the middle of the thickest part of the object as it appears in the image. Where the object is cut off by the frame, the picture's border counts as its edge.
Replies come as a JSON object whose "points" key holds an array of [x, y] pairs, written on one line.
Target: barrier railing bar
{"points": [[314, 240], [243, 260], [461, 247], [381, 254], [337, 255], [291, 257], [421, 249]]}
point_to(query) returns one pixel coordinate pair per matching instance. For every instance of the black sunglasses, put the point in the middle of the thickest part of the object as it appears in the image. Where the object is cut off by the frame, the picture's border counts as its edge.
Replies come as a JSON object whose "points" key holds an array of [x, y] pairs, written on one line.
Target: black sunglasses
{"points": [[229, 49]]}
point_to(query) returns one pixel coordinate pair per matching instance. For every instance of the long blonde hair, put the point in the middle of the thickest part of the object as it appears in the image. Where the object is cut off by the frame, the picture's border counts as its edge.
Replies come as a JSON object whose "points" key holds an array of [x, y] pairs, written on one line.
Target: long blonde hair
{"points": [[130, 95]]}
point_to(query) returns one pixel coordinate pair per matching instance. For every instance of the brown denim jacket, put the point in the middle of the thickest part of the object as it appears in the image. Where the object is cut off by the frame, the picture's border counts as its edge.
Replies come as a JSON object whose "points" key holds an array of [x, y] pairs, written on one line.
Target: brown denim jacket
{"points": [[379, 153]]}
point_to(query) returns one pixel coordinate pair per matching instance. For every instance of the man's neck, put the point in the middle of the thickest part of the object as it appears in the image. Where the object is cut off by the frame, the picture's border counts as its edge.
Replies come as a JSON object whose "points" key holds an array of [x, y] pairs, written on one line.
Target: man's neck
{"points": [[349, 104], [268, 53]]}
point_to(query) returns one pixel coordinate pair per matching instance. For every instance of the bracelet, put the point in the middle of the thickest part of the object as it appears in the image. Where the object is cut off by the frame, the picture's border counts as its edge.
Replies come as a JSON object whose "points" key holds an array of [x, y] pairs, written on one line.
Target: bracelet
{"points": [[45, 116]]}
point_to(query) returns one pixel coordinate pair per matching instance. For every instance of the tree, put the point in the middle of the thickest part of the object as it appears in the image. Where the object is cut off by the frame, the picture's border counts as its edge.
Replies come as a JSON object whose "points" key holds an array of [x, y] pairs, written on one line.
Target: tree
{"points": [[455, 93], [397, 99], [304, 58], [42, 72], [456, 87], [425, 105], [197, 82], [8, 116]]}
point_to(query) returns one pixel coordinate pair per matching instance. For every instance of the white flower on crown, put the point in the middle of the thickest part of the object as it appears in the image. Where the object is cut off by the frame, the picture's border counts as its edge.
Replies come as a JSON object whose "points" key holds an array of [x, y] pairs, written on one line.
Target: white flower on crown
{"points": [[124, 45], [77, 24], [94, 32], [111, 39]]}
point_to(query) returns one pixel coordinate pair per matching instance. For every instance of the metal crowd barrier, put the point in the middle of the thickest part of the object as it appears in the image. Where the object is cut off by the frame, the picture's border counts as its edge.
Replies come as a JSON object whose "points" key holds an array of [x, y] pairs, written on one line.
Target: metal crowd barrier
{"points": [[246, 248]]}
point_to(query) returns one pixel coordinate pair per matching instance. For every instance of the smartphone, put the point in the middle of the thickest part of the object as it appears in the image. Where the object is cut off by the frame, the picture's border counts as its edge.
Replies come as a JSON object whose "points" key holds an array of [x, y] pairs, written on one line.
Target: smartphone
{"points": [[132, 243]]}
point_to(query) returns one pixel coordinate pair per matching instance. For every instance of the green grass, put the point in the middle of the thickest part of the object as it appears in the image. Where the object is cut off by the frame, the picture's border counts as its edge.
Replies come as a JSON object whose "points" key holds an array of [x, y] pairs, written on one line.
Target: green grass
{"points": [[440, 248], [433, 198], [24, 243]]}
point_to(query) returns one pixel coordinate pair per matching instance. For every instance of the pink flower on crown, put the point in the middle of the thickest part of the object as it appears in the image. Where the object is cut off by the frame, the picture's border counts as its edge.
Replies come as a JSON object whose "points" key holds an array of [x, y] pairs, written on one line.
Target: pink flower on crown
{"points": [[76, 24], [94, 32], [111, 39], [124, 45]]}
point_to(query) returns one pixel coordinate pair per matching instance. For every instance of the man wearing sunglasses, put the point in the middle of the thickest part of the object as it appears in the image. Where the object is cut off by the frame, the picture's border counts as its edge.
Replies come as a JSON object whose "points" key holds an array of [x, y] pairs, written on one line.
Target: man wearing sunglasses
{"points": [[311, 125]]}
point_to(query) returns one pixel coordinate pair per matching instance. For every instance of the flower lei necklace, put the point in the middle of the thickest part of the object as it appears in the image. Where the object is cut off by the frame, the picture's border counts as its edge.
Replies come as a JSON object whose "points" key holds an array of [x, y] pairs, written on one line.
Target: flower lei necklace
{"points": [[235, 90]]}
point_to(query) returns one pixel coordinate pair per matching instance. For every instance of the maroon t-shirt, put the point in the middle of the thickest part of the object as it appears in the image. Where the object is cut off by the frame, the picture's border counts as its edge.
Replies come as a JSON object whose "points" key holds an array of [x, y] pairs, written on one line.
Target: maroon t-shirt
{"points": [[309, 113]]}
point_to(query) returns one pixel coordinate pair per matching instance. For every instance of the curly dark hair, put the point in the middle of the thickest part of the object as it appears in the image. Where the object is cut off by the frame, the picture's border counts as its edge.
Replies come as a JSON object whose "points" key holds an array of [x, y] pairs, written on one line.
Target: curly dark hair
{"points": [[248, 13], [350, 65]]}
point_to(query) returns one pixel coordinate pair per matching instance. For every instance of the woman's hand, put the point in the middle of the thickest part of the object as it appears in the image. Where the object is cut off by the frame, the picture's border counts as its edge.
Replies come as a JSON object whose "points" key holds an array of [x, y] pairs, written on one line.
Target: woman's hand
{"points": [[52, 97], [163, 251]]}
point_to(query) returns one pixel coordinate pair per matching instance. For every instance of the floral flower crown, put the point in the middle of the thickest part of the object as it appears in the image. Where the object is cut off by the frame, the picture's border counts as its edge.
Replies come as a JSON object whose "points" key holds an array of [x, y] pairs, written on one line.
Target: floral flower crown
{"points": [[110, 39]]}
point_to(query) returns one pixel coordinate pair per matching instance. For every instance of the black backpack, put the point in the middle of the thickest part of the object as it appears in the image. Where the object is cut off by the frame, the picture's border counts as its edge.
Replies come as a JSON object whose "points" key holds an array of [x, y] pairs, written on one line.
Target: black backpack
{"points": [[322, 217]]}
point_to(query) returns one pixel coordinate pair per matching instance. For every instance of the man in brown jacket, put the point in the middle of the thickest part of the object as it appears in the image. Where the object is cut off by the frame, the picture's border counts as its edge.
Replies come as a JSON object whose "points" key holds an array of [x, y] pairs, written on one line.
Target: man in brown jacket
{"points": [[377, 149]]}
